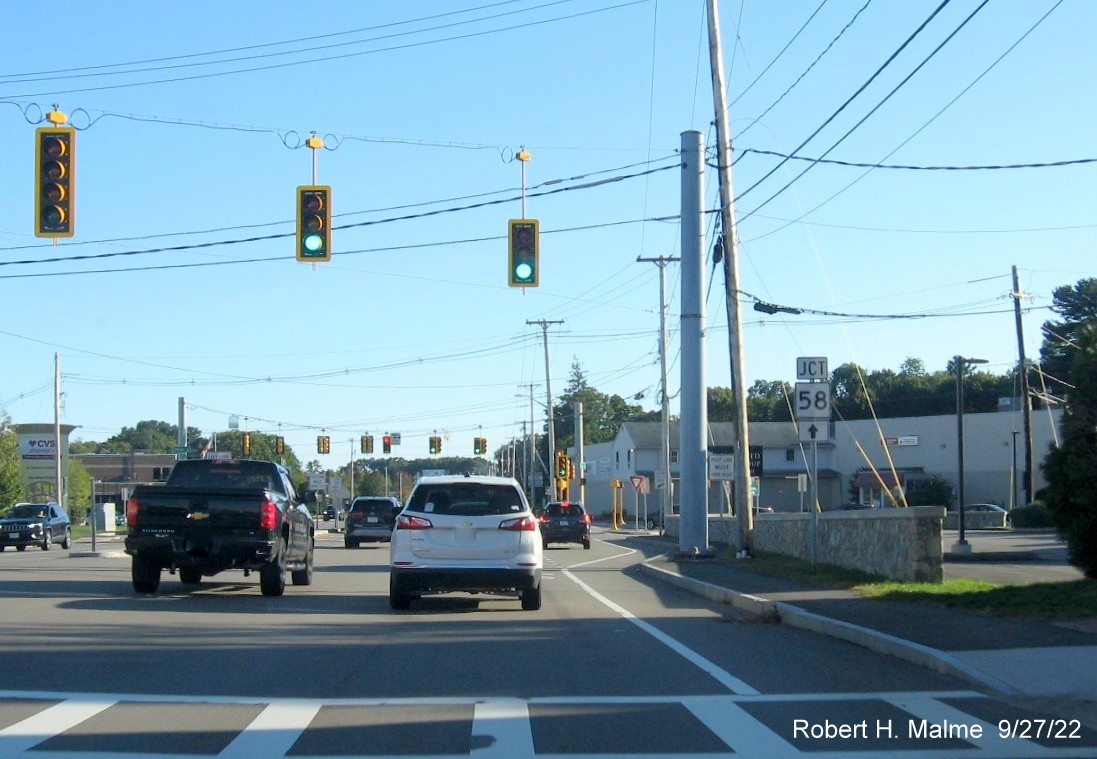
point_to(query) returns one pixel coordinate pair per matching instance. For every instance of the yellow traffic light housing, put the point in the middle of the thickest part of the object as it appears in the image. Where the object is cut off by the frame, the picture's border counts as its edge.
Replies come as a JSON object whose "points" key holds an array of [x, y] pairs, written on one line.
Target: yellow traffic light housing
{"points": [[523, 269], [279, 445], [54, 181], [323, 444], [435, 445], [367, 443], [314, 223], [245, 443]]}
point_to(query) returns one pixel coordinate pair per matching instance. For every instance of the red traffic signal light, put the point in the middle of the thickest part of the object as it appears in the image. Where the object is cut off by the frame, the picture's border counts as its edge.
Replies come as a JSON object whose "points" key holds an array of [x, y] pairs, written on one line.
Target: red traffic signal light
{"points": [[523, 269], [386, 444], [55, 165], [314, 223]]}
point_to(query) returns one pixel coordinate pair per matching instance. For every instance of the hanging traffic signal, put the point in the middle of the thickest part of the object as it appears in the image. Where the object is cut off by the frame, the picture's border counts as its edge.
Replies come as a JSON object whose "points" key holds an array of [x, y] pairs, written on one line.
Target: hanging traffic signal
{"points": [[386, 444], [245, 442], [435, 445], [483, 446], [323, 444], [55, 165], [522, 270], [314, 223], [480, 446], [367, 443], [279, 445], [561, 465]]}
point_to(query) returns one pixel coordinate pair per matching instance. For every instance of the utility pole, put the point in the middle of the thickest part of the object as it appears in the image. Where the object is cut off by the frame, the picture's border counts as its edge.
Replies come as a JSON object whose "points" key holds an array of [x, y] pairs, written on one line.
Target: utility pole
{"points": [[731, 286], [664, 451], [59, 478], [1026, 394], [579, 486], [550, 444], [693, 429]]}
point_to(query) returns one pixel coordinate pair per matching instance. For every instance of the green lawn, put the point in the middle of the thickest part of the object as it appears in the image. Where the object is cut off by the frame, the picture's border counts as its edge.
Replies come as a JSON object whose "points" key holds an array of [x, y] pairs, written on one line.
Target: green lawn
{"points": [[1046, 600]]}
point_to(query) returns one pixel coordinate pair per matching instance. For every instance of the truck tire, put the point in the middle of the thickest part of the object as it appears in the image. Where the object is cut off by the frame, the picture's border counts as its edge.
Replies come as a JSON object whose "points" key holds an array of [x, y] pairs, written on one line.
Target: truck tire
{"points": [[303, 576], [190, 575], [272, 577], [146, 574]]}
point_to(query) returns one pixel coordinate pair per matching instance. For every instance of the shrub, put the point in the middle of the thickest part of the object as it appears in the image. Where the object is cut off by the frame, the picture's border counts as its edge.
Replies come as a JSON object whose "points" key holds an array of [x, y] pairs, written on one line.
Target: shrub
{"points": [[1036, 514]]}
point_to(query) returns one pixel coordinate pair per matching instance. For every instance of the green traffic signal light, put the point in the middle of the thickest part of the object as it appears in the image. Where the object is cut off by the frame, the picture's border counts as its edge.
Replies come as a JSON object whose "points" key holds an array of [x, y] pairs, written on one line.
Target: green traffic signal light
{"points": [[55, 166], [314, 223], [523, 253]]}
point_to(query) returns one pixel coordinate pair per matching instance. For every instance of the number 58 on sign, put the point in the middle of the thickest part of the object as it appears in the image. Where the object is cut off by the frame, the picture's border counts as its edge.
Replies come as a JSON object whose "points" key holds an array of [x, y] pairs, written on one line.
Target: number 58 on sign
{"points": [[813, 400]]}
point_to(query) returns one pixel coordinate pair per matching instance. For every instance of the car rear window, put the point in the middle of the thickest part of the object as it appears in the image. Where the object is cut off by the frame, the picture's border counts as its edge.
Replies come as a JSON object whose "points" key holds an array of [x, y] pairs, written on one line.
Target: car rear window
{"points": [[564, 510], [375, 506], [466, 499]]}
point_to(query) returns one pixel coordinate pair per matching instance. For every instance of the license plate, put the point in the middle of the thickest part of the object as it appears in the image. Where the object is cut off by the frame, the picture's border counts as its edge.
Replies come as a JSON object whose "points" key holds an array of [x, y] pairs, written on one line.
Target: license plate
{"points": [[564, 523], [371, 519], [13, 535]]}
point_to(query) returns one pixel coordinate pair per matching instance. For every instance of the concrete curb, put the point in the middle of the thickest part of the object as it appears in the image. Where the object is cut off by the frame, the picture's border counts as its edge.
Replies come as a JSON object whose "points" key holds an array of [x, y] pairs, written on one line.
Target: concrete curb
{"points": [[873, 640]]}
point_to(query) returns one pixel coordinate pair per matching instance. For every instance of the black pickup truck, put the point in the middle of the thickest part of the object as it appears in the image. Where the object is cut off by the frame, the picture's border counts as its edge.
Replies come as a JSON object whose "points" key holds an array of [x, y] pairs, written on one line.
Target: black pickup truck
{"points": [[218, 514]]}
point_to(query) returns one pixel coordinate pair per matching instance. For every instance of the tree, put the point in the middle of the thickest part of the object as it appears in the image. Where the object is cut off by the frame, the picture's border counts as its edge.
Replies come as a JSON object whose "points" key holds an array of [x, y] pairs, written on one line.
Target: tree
{"points": [[1077, 305], [11, 484], [1071, 469], [77, 490], [603, 414], [149, 436]]}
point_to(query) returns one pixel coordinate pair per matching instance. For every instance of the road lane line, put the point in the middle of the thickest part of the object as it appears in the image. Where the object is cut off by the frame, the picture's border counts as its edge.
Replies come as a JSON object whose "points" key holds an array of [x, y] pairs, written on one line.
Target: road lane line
{"points": [[56, 719], [734, 684], [507, 721], [274, 731]]}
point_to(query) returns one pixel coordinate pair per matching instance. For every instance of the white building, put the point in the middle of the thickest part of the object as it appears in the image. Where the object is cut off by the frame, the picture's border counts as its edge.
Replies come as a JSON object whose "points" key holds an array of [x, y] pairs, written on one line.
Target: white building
{"points": [[900, 450]]}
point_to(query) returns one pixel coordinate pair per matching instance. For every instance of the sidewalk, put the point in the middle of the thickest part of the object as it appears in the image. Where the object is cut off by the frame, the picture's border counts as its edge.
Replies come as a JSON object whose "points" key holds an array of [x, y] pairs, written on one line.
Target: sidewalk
{"points": [[1042, 663]]}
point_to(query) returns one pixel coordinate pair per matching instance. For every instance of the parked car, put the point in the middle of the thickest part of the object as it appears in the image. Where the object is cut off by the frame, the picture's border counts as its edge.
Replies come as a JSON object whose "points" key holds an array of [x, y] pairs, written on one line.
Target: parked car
{"points": [[35, 524], [370, 518], [329, 513], [565, 522], [466, 534], [985, 507]]}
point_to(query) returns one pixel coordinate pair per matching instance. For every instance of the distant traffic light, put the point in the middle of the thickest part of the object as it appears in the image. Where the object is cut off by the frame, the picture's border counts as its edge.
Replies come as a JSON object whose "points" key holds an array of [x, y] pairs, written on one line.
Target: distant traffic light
{"points": [[323, 444], [279, 445], [480, 446], [367, 443], [245, 443], [54, 183], [386, 444], [435, 444], [314, 223], [561, 465], [522, 269]]}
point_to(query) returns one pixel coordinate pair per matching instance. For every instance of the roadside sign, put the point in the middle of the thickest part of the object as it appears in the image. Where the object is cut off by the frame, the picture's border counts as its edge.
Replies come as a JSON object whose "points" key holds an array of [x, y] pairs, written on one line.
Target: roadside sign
{"points": [[811, 368], [317, 481], [721, 466], [812, 400], [180, 449], [813, 430], [638, 482], [660, 480]]}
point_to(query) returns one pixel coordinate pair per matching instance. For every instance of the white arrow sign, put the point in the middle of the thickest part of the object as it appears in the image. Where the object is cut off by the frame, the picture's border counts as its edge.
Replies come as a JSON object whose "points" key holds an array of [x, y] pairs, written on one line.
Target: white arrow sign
{"points": [[813, 430]]}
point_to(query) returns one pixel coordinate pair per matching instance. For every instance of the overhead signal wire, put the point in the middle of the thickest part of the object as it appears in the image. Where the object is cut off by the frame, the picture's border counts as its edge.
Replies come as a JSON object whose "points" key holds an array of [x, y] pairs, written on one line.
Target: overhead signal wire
{"points": [[891, 58], [868, 115]]}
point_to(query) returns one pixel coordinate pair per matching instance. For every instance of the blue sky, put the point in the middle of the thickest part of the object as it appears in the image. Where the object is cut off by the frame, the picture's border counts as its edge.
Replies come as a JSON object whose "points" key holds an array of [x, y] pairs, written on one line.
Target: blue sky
{"points": [[411, 328]]}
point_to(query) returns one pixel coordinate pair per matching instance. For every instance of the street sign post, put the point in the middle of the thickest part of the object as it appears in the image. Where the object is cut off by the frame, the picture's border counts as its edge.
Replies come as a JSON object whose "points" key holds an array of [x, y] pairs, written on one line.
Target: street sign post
{"points": [[812, 400], [811, 368], [721, 466]]}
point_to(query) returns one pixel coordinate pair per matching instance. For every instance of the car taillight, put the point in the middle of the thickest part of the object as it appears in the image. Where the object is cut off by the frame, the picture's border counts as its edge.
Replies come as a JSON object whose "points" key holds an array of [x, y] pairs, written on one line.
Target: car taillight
{"points": [[268, 515], [408, 522], [519, 523], [543, 518], [586, 518], [131, 512]]}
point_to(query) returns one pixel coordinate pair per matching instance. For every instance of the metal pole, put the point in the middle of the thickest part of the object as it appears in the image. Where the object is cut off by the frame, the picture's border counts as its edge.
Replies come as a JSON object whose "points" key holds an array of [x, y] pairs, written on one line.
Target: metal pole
{"points": [[960, 441], [181, 434], [731, 283], [57, 450], [579, 461], [1026, 393], [667, 503], [91, 514], [693, 535], [550, 444]]}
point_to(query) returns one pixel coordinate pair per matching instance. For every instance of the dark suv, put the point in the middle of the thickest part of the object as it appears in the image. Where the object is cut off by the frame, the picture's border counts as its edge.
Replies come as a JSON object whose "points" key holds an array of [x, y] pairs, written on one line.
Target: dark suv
{"points": [[370, 518], [35, 524], [565, 522]]}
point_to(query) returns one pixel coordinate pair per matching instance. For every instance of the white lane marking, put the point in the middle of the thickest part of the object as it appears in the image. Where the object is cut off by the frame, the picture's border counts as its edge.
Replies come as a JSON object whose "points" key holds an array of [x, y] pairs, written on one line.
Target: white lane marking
{"points": [[20, 737], [273, 732], [734, 684], [735, 727], [936, 712], [507, 721]]}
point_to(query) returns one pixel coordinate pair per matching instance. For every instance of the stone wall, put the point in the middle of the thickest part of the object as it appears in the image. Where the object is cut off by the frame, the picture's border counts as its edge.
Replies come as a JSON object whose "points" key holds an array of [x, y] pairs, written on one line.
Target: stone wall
{"points": [[900, 544]]}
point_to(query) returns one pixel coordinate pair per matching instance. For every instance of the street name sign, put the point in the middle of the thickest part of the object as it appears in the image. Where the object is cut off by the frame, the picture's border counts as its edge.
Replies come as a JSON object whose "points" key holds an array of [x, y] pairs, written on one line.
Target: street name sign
{"points": [[811, 368]]}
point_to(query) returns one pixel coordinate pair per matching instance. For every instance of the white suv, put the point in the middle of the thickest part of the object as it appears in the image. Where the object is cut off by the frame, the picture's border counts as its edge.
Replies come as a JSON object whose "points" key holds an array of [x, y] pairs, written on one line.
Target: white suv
{"points": [[466, 533]]}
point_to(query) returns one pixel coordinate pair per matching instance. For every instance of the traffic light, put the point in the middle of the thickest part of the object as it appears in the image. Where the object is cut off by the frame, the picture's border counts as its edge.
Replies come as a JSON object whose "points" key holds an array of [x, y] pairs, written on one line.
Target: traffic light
{"points": [[323, 444], [522, 270], [435, 444], [54, 171], [386, 444], [562, 465], [314, 223], [245, 442], [480, 446], [279, 445], [367, 443]]}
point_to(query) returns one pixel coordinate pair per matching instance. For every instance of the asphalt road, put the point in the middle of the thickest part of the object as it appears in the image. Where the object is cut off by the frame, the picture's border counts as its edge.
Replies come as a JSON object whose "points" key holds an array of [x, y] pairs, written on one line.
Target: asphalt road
{"points": [[614, 663]]}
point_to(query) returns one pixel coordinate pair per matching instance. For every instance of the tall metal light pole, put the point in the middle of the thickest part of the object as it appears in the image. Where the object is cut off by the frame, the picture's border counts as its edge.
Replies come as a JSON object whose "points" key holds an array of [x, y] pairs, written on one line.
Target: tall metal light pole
{"points": [[962, 544]]}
